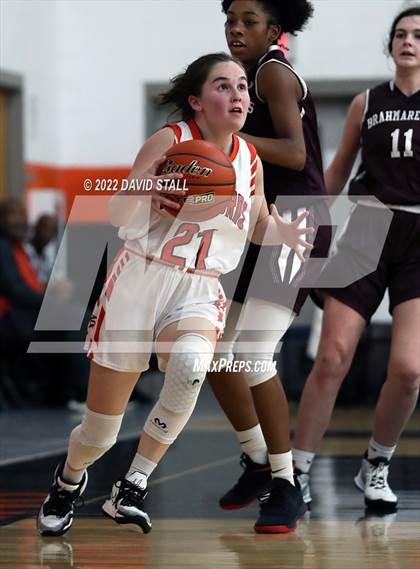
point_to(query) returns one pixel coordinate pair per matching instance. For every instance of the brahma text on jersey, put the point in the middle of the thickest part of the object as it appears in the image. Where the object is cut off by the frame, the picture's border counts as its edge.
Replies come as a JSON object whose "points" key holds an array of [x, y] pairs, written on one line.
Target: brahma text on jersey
{"points": [[391, 116]]}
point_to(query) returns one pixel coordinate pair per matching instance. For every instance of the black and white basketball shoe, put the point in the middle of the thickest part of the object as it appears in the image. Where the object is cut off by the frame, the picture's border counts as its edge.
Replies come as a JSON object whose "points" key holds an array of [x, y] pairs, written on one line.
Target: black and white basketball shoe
{"points": [[126, 505], [56, 514]]}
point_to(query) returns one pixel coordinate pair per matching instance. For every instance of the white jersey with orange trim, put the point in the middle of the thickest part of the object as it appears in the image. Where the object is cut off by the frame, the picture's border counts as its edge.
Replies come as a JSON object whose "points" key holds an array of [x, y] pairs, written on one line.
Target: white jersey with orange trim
{"points": [[216, 244]]}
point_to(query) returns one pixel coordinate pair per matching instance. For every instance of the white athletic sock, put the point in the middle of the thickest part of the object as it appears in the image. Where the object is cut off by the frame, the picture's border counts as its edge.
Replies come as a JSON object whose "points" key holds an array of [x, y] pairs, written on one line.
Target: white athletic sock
{"points": [[140, 470], [253, 444], [303, 459], [376, 450], [282, 466]]}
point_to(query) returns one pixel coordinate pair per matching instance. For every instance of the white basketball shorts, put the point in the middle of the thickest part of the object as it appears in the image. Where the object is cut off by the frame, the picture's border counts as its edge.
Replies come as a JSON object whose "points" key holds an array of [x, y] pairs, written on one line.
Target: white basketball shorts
{"points": [[139, 299]]}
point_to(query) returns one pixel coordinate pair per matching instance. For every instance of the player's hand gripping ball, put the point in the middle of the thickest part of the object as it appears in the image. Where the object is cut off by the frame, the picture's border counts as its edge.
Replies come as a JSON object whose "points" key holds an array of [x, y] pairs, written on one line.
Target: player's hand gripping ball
{"points": [[209, 179]]}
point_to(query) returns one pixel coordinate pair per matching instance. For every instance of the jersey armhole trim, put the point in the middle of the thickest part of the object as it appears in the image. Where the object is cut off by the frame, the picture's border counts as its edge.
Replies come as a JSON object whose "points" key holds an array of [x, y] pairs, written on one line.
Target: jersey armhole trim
{"points": [[298, 77], [365, 110], [177, 132], [253, 167]]}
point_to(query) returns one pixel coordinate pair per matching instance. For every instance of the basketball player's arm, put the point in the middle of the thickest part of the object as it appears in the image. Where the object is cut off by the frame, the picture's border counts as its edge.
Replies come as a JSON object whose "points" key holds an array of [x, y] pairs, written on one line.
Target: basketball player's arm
{"points": [[281, 91], [340, 168], [269, 228], [123, 204]]}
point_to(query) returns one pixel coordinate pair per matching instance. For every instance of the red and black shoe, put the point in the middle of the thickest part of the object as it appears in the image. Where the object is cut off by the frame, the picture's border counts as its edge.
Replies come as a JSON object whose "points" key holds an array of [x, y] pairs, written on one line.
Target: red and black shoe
{"points": [[281, 508], [254, 482]]}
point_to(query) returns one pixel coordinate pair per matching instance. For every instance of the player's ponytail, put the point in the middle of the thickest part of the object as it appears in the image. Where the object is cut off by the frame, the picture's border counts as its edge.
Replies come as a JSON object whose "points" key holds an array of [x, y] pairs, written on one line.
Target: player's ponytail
{"points": [[177, 96]]}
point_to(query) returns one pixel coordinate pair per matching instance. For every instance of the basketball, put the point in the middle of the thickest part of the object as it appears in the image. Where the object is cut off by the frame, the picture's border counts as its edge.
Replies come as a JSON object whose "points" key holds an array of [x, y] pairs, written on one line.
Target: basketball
{"points": [[209, 179]]}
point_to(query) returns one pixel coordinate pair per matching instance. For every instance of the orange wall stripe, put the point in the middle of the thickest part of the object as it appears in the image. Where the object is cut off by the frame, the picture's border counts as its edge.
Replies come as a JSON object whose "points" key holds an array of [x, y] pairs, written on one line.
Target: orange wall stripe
{"points": [[71, 181]]}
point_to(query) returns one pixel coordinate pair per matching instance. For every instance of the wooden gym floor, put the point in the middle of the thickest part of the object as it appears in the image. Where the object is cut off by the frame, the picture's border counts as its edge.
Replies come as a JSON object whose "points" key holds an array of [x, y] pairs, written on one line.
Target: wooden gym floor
{"points": [[189, 529]]}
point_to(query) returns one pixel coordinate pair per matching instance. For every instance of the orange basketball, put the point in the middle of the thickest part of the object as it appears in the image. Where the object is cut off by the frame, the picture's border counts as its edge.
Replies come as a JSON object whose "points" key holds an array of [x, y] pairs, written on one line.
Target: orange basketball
{"points": [[209, 179]]}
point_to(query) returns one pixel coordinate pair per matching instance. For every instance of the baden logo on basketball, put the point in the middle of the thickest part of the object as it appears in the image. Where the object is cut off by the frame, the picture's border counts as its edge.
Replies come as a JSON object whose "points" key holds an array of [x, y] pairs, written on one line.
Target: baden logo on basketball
{"points": [[193, 168], [208, 175]]}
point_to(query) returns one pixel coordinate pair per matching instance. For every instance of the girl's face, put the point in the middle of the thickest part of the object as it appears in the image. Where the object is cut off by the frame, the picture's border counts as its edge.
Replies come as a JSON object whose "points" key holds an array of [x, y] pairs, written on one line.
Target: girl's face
{"points": [[224, 98], [406, 42], [248, 32]]}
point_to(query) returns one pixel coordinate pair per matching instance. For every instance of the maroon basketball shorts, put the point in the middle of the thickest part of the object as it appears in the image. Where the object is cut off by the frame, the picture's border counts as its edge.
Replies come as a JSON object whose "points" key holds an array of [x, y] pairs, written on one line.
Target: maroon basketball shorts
{"points": [[396, 269]]}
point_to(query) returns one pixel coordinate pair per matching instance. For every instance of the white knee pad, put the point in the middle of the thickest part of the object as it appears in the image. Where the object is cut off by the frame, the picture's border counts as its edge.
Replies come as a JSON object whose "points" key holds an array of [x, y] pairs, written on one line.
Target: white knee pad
{"points": [[98, 430], [185, 373], [164, 425], [262, 326], [93, 438], [256, 368]]}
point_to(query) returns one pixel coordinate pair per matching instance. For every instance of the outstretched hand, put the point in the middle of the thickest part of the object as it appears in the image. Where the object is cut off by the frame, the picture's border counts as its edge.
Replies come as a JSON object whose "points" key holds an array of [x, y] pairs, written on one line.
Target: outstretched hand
{"points": [[291, 233]]}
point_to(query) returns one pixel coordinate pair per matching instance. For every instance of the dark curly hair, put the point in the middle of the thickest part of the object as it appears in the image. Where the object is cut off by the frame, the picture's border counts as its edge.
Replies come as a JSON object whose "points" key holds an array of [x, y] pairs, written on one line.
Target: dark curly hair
{"points": [[413, 11], [191, 82], [290, 15]]}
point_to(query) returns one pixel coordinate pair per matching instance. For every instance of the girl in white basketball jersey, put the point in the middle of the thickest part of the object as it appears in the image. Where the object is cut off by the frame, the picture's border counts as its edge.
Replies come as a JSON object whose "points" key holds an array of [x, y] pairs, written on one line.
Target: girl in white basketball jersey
{"points": [[176, 306]]}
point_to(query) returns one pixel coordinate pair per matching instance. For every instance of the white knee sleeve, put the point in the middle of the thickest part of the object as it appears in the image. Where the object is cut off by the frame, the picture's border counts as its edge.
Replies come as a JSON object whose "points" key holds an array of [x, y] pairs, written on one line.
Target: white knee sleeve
{"points": [[93, 438], [256, 368], [262, 325], [185, 373]]}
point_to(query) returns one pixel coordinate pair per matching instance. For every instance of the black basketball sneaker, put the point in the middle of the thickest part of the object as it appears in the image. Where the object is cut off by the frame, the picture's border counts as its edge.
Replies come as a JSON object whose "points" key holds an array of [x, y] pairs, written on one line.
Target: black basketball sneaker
{"points": [[280, 508], [56, 514], [254, 481]]}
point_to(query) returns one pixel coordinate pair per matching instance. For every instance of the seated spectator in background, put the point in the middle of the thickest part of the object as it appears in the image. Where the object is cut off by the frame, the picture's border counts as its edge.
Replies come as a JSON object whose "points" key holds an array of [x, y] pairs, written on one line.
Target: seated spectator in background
{"points": [[42, 247], [46, 378], [42, 250], [21, 291]]}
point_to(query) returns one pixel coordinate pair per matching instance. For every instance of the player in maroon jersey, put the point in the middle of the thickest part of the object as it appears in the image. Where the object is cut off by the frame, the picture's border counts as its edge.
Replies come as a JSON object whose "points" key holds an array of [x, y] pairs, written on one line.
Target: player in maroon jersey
{"points": [[384, 123], [282, 125]]}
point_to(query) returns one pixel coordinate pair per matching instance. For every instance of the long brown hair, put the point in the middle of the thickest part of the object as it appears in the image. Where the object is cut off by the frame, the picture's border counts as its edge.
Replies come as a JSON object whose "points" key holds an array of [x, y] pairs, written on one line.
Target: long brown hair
{"points": [[191, 82]]}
